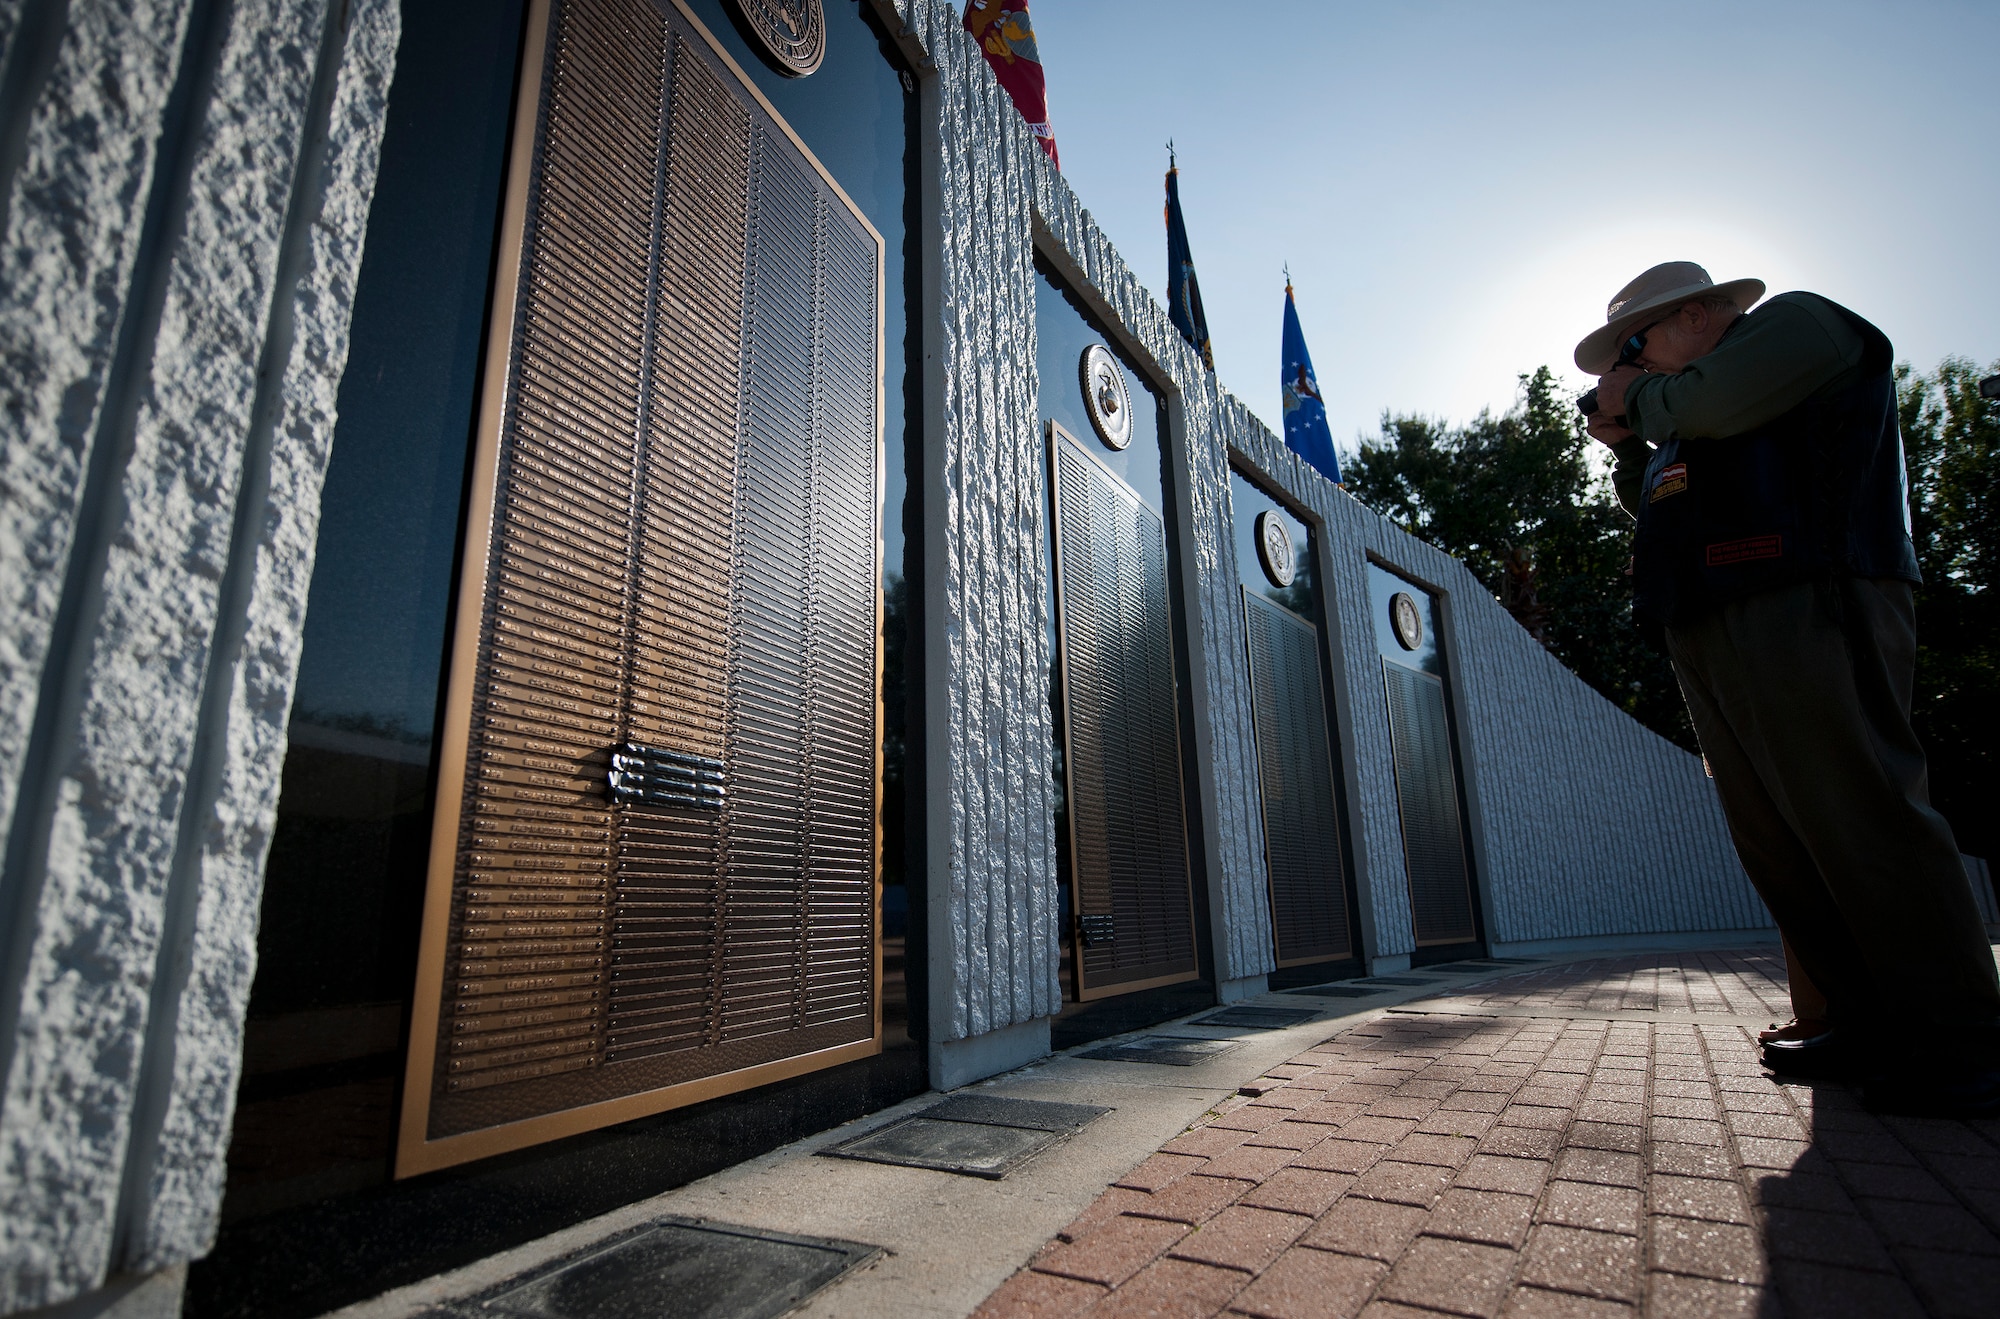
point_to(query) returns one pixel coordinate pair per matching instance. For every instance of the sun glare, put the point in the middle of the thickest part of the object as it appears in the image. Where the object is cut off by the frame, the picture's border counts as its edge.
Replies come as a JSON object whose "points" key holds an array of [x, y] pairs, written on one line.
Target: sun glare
{"points": [[1535, 310]]}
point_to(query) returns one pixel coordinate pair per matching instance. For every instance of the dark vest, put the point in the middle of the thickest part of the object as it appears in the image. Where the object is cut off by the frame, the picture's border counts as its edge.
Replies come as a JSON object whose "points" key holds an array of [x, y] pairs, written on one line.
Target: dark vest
{"points": [[1814, 494]]}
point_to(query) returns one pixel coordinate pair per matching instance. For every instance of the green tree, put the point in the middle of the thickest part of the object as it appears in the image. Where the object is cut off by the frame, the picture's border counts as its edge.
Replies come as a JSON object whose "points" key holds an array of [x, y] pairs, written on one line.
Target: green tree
{"points": [[1522, 482], [1951, 437]]}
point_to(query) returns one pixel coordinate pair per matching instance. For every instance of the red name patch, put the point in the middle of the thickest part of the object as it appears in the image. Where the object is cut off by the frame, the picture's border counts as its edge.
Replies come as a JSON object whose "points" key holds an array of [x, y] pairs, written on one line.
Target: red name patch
{"points": [[1723, 553]]}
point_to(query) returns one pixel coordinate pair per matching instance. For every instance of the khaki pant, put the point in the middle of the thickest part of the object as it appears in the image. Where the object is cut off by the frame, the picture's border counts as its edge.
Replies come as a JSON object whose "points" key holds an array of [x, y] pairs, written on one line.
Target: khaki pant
{"points": [[1801, 698]]}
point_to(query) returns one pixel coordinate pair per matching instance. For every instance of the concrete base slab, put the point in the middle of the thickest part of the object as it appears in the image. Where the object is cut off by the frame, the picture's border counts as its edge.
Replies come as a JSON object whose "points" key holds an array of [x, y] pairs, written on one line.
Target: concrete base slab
{"points": [[143, 1296], [955, 1063], [1235, 991]]}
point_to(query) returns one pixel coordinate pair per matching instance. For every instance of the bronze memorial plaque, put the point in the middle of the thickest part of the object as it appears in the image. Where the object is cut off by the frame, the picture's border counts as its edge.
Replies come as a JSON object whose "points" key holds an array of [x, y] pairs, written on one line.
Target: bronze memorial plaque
{"points": [[1121, 731], [1427, 796], [1295, 782], [653, 864]]}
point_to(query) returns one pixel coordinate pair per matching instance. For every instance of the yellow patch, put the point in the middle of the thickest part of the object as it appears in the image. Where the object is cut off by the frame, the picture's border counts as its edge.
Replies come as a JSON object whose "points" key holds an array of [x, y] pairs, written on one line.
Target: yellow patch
{"points": [[1673, 479]]}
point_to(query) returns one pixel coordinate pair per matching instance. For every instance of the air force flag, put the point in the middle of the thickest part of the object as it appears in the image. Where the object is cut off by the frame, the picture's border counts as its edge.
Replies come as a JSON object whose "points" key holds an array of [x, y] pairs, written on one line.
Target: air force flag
{"points": [[1306, 431]]}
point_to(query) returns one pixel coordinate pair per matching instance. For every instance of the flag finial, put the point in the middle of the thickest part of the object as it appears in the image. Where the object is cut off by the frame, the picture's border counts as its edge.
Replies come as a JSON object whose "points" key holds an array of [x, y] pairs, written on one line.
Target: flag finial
{"points": [[1170, 155]]}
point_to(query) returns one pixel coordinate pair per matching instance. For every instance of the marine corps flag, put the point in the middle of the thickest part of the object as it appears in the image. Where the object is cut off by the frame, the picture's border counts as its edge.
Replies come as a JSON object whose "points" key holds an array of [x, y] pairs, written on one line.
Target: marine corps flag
{"points": [[1002, 29], [1306, 431], [1183, 293]]}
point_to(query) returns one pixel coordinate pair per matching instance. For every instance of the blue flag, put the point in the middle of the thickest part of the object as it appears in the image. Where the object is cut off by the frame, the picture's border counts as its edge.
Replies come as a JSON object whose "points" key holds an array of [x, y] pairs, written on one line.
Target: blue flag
{"points": [[1183, 294], [1306, 431]]}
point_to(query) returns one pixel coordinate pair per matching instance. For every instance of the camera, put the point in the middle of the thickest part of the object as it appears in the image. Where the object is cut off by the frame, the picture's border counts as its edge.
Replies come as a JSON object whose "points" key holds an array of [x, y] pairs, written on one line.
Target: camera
{"points": [[1990, 387], [1628, 353]]}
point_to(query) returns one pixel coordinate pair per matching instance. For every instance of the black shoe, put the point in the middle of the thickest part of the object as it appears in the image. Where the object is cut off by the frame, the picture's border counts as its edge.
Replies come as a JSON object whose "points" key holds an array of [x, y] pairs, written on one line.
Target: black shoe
{"points": [[1822, 1057], [1968, 1092]]}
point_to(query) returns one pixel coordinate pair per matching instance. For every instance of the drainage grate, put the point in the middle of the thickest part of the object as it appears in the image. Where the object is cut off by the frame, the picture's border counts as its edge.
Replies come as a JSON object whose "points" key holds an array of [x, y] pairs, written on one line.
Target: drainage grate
{"points": [[685, 1266], [973, 1135], [1347, 990], [1165, 1050], [1396, 980], [1256, 1018]]}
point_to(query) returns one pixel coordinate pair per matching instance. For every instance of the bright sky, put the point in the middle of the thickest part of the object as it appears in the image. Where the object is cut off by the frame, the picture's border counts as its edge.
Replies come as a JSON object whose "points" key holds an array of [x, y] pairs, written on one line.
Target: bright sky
{"points": [[1461, 186]]}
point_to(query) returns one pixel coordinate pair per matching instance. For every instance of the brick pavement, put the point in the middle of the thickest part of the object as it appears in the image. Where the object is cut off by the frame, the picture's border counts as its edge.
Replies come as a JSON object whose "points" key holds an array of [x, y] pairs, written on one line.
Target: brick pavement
{"points": [[1594, 1139]]}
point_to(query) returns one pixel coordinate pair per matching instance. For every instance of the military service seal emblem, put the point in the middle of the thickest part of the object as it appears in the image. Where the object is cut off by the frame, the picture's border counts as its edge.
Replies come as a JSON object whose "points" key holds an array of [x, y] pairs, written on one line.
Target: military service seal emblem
{"points": [[1406, 620], [793, 31], [1106, 397], [1275, 550]]}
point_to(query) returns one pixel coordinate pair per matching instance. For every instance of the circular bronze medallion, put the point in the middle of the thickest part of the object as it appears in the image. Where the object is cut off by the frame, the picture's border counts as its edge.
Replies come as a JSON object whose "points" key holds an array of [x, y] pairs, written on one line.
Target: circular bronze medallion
{"points": [[1105, 396], [1275, 550], [793, 31], [1406, 620]]}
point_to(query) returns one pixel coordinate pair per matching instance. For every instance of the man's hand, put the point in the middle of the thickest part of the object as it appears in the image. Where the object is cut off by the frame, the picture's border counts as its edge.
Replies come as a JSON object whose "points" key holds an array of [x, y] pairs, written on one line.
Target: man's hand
{"points": [[1611, 391], [1605, 430], [1611, 388]]}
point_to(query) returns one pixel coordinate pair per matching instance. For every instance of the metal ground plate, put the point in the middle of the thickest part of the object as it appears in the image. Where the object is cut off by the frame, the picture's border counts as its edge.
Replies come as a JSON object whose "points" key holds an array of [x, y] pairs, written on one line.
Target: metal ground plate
{"points": [[974, 1149], [689, 1268], [1255, 1018], [972, 1135], [1165, 1050], [1001, 1110]]}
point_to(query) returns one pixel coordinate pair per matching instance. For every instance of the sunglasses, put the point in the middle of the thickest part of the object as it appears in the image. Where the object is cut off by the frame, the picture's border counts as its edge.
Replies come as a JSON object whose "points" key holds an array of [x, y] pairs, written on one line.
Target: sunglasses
{"points": [[1635, 343]]}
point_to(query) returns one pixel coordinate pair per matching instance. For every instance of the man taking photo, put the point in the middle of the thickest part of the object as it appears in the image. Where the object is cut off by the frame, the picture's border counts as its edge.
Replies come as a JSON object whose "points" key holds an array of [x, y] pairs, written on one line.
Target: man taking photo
{"points": [[1760, 454]]}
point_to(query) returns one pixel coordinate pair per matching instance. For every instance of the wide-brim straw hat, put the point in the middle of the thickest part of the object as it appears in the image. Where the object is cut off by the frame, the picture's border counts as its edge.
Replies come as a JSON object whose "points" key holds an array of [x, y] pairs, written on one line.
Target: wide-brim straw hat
{"points": [[1662, 288]]}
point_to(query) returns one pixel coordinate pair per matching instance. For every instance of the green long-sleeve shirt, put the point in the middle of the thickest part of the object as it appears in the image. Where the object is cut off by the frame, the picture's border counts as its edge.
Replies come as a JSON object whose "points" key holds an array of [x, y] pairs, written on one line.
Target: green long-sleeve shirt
{"points": [[1767, 363]]}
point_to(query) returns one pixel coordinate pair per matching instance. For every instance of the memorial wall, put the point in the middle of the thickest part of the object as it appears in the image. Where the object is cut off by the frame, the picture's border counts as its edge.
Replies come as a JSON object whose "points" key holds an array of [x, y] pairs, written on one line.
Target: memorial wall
{"points": [[595, 586]]}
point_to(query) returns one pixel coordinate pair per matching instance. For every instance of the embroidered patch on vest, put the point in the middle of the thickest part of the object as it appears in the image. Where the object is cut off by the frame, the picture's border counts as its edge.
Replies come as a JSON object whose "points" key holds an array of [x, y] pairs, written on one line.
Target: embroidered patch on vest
{"points": [[1723, 553], [1673, 479]]}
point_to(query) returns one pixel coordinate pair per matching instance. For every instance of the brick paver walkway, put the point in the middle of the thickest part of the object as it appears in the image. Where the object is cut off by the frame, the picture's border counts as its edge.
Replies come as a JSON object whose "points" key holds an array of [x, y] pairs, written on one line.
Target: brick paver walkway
{"points": [[1596, 1139]]}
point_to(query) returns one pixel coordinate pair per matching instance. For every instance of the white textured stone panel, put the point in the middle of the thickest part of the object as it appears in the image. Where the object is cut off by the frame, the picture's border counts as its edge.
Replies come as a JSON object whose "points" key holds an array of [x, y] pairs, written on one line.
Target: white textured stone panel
{"points": [[73, 220], [992, 897], [95, 977], [182, 1189]]}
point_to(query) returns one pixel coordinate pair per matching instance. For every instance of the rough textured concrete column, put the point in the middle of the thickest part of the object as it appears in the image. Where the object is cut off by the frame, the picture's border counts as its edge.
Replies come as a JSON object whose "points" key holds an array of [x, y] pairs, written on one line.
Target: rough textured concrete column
{"points": [[992, 906], [136, 847], [251, 686], [74, 207]]}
